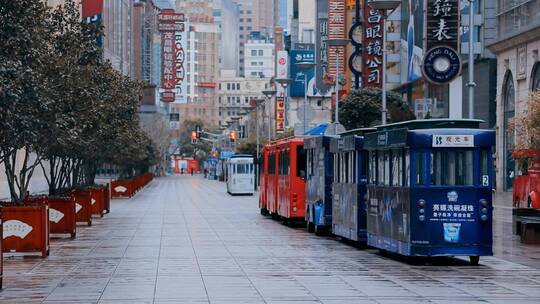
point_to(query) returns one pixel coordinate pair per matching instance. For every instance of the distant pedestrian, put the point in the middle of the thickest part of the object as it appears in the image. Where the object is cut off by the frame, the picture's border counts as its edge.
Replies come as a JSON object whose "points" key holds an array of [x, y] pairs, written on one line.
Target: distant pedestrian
{"points": [[192, 171], [205, 172]]}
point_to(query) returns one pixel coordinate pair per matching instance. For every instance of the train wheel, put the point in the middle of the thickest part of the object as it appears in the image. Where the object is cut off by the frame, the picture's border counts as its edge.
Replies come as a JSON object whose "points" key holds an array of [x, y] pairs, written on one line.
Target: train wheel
{"points": [[474, 259], [310, 227]]}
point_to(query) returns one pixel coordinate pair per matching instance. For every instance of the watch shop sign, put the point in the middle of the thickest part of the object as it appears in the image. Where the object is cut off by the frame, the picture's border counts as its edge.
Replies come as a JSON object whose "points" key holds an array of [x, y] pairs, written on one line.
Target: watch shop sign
{"points": [[442, 61]]}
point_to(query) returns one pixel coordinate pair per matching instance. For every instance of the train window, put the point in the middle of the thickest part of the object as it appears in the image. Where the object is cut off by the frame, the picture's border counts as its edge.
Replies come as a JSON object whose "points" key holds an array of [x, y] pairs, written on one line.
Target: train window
{"points": [[397, 168], [407, 168], [384, 168], [454, 168], [365, 164], [272, 164], [372, 167], [345, 170], [354, 168], [301, 162], [419, 167], [484, 167]]}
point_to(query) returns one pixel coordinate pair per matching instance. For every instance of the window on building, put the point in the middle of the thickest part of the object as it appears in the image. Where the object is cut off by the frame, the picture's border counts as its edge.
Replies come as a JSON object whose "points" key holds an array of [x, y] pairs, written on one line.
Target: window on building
{"points": [[261, 52], [535, 79], [228, 86], [253, 52], [509, 108]]}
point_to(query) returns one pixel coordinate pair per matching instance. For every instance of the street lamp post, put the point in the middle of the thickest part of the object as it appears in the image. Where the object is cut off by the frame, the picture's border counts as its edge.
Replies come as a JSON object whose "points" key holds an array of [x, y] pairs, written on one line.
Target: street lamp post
{"points": [[305, 67], [284, 82], [471, 84], [337, 43], [269, 94], [386, 7]]}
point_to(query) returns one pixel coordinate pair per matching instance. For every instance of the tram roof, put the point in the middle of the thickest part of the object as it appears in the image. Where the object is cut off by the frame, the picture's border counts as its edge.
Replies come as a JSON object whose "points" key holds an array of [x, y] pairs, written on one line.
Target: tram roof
{"points": [[436, 123], [359, 131]]}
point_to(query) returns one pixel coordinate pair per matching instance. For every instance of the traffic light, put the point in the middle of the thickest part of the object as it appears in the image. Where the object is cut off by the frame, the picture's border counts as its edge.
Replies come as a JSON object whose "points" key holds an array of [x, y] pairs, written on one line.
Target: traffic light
{"points": [[198, 131], [193, 137], [232, 136]]}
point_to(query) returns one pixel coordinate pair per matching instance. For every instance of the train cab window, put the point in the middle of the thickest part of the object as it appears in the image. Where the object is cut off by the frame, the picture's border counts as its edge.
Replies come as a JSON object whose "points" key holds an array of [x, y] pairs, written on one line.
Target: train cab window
{"points": [[242, 169], [301, 162], [354, 168], [419, 167], [484, 167], [383, 177], [453, 168]]}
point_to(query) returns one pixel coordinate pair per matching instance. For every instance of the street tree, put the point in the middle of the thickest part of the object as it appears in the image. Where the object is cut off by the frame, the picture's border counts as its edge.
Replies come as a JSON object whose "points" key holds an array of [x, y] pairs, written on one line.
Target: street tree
{"points": [[25, 41], [362, 108]]}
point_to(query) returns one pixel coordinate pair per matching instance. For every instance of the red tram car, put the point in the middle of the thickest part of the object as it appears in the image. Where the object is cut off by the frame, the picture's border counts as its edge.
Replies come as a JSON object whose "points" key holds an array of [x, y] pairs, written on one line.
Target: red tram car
{"points": [[282, 192]]}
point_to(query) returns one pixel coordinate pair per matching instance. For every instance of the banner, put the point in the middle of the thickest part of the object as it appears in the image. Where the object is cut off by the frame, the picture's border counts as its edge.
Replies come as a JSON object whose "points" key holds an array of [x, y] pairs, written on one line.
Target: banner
{"points": [[373, 51], [92, 11], [297, 88], [321, 48], [280, 114]]}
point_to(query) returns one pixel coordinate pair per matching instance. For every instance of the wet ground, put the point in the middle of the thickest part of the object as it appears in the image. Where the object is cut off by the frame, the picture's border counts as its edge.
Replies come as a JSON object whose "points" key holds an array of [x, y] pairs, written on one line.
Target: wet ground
{"points": [[184, 240]]}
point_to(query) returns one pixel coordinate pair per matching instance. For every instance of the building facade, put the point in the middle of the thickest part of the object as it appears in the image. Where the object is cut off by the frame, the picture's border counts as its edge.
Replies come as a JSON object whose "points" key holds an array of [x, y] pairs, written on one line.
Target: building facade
{"points": [[255, 16], [202, 63], [518, 74], [259, 57], [144, 28], [227, 17]]}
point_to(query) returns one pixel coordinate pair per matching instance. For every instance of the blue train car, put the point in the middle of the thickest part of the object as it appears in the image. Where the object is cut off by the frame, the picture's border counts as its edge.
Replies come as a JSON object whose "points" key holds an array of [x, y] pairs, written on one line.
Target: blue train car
{"points": [[429, 188], [318, 184], [349, 185]]}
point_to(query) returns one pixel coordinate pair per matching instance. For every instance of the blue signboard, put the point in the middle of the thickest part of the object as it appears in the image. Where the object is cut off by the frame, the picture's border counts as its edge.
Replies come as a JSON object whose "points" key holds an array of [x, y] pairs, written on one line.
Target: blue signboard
{"points": [[225, 155], [297, 88]]}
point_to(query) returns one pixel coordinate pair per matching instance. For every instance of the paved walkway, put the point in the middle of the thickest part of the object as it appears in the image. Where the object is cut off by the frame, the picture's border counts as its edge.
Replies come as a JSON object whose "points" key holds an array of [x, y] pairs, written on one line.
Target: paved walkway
{"points": [[184, 240]]}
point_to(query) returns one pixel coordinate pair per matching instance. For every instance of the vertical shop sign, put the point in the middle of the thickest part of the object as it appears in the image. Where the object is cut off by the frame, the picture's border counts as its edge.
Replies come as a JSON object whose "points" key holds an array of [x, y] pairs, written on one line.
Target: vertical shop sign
{"points": [[443, 23], [373, 48], [280, 114], [173, 82], [336, 30]]}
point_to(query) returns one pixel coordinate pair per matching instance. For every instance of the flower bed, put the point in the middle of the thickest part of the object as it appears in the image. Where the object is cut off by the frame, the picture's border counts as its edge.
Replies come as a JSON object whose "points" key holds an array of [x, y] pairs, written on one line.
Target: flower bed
{"points": [[25, 228]]}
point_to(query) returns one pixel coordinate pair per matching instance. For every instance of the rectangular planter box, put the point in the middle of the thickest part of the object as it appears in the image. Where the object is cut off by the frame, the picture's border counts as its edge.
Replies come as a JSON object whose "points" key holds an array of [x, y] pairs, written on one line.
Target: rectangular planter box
{"points": [[26, 229], [61, 214], [1, 252], [122, 189], [97, 201], [83, 207]]}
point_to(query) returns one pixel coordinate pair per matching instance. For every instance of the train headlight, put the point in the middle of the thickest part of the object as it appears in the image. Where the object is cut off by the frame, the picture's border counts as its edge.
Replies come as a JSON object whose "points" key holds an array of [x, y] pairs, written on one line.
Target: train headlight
{"points": [[484, 203], [484, 217], [421, 218], [422, 211], [422, 203], [484, 210]]}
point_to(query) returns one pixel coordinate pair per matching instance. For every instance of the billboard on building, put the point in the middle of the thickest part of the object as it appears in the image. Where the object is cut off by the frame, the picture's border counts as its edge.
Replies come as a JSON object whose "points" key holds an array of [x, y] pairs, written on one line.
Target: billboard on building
{"points": [[297, 88], [174, 121], [173, 56], [92, 11]]}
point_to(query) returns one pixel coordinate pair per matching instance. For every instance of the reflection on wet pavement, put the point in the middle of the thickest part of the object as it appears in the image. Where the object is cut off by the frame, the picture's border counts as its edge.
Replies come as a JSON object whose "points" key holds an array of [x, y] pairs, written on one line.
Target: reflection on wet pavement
{"points": [[184, 240]]}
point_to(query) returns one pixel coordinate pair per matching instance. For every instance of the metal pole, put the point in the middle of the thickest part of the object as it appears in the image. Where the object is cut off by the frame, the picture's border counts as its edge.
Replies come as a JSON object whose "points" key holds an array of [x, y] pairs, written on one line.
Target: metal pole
{"points": [[269, 120], [305, 99], [383, 118], [336, 115], [257, 129], [471, 83]]}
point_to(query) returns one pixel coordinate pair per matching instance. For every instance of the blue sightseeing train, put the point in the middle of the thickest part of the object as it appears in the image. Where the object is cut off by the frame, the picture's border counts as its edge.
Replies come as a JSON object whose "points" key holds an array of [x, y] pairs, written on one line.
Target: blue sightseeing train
{"points": [[416, 188]]}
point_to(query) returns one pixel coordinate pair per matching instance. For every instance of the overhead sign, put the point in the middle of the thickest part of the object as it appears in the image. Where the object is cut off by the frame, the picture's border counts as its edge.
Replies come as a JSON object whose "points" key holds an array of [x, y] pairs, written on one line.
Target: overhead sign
{"points": [[373, 51], [297, 88], [448, 141], [173, 56], [442, 62]]}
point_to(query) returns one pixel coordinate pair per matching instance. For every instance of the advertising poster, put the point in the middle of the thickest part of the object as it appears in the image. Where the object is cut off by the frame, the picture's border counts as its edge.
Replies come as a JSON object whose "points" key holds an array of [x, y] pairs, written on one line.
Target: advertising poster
{"points": [[373, 52], [173, 56], [297, 88], [336, 30]]}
